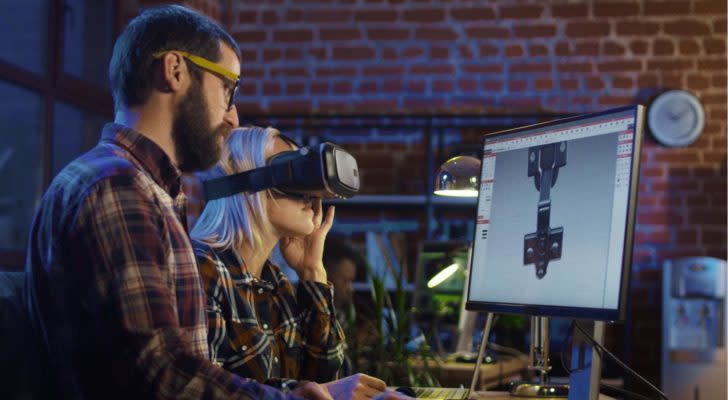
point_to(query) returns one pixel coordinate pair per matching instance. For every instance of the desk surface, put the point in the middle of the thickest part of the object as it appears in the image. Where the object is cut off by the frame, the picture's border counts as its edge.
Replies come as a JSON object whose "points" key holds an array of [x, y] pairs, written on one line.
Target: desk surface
{"points": [[506, 396], [454, 374]]}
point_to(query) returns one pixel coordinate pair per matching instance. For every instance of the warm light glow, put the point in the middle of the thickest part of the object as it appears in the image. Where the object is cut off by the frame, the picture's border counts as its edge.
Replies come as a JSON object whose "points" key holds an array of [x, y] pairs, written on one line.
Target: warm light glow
{"points": [[442, 275], [457, 193]]}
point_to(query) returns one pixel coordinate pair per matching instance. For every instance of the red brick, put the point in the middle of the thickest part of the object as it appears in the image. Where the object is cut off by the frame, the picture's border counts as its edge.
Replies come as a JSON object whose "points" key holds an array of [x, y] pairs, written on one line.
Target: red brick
{"points": [[247, 17], [562, 49], [416, 86], [620, 66], [323, 72], [442, 86], [319, 88], [288, 72], [622, 82], [492, 85], [637, 28], [352, 53], [272, 89], [424, 15], [670, 65], [339, 34], [543, 84], [620, 9], [517, 85], [530, 67], [435, 34], [468, 85], [673, 157], [616, 101], [295, 88], [670, 8], [293, 35], [433, 69], [294, 15], [378, 70], [536, 50], [270, 55], [686, 28], [513, 50], [486, 33], [612, 49], [689, 47], [248, 55], [521, 12], [249, 36], [337, 16], [570, 10], [375, 16], [575, 67], [483, 68], [269, 17], [714, 46], [638, 47], [288, 106], [465, 52], [712, 236], [488, 50], [381, 34], [697, 82], [345, 87], [412, 52], [714, 64], [719, 25], [392, 86], [248, 72], [569, 84], [248, 89], [587, 29], [534, 31], [662, 47], [586, 49], [472, 14], [713, 217], [710, 7]]}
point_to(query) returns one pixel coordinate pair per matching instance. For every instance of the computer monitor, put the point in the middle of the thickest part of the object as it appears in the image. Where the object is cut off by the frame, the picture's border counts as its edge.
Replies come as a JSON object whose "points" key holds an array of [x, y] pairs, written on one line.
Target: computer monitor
{"points": [[555, 217]]}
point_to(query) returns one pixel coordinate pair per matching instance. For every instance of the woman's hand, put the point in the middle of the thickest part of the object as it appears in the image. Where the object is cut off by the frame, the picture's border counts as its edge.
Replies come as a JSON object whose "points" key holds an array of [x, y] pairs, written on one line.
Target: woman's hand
{"points": [[304, 254], [358, 386]]}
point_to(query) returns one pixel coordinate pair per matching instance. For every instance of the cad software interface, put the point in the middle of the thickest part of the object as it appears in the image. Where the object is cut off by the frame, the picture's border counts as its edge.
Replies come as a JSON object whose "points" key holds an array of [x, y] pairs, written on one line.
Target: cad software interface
{"points": [[552, 214]]}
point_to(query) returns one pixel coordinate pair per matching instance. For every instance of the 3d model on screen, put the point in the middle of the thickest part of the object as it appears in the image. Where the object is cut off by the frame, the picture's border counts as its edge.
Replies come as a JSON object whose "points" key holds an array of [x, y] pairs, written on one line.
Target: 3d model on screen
{"points": [[545, 244]]}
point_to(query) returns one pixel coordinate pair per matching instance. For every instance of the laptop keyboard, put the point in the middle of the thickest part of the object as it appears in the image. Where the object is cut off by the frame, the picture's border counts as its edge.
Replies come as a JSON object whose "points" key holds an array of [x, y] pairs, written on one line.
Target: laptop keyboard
{"points": [[441, 393]]}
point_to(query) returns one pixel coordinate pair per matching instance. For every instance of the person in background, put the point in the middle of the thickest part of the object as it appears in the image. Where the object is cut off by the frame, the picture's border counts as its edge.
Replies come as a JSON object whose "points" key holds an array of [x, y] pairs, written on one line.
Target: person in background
{"points": [[259, 326], [112, 280], [342, 261]]}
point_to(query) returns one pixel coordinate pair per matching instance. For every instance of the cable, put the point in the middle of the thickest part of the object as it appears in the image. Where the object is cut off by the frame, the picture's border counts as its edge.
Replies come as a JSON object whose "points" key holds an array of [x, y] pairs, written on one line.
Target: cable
{"points": [[614, 358], [622, 392]]}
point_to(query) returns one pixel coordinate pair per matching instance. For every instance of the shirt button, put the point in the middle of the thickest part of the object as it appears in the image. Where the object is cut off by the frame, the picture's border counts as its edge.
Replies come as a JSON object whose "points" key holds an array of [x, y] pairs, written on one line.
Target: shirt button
{"points": [[244, 348], [260, 291], [275, 360], [265, 326]]}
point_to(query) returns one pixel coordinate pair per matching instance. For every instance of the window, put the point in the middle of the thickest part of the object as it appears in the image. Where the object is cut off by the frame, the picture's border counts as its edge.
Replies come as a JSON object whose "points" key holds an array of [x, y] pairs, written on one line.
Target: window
{"points": [[54, 99]]}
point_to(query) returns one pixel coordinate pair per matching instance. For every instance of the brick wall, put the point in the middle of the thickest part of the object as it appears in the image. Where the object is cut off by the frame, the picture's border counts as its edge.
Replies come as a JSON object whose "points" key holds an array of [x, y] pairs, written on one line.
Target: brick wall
{"points": [[564, 56]]}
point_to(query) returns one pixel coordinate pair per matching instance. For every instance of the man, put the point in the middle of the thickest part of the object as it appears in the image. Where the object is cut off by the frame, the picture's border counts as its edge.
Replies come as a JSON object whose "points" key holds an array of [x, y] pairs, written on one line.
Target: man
{"points": [[112, 279], [340, 261]]}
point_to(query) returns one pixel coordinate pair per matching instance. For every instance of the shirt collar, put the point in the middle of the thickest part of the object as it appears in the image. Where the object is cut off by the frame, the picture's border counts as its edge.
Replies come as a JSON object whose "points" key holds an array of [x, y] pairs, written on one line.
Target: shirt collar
{"points": [[270, 276], [152, 158]]}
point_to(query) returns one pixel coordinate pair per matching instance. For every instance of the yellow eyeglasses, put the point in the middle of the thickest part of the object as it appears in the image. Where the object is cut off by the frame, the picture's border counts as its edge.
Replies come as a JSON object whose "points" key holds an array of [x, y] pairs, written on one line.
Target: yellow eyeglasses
{"points": [[209, 66]]}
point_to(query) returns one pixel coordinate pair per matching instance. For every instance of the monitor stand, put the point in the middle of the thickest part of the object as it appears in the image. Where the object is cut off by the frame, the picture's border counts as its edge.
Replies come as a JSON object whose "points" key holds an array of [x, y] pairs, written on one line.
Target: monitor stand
{"points": [[540, 362]]}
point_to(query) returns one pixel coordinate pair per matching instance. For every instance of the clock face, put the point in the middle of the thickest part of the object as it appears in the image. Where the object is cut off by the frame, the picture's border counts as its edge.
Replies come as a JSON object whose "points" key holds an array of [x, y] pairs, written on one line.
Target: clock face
{"points": [[676, 118]]}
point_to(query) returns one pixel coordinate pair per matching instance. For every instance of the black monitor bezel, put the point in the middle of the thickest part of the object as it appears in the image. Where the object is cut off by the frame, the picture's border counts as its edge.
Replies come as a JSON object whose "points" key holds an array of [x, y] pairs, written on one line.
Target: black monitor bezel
{"points": [[605, 314]]}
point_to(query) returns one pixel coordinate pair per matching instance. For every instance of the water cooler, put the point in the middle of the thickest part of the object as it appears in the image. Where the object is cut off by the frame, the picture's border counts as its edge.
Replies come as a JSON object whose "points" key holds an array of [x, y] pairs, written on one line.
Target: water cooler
{"points": [[694, 328]]}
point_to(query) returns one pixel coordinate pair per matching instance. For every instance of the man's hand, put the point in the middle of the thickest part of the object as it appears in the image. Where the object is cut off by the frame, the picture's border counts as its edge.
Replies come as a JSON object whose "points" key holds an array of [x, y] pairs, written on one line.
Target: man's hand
{"points": [[357, 386], [312, 390]]}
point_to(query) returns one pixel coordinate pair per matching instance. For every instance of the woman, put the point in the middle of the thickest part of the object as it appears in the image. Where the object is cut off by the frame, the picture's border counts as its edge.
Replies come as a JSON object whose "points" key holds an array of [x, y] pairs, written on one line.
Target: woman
{"points": [[259, 326]]}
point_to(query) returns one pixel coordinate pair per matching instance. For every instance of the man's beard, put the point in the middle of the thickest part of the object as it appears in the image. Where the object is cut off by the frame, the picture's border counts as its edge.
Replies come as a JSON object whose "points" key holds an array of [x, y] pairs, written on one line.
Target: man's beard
{"points": [[197, 144]]}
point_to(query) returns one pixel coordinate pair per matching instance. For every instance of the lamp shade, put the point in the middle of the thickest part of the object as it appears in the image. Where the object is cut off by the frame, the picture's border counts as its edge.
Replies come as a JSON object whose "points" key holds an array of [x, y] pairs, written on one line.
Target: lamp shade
{"points": [[458, 177]]}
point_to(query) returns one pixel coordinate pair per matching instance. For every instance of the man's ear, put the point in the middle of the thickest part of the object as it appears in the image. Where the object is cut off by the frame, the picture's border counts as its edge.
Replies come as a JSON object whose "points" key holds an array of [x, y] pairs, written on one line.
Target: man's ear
{"points": [[172, 72]]}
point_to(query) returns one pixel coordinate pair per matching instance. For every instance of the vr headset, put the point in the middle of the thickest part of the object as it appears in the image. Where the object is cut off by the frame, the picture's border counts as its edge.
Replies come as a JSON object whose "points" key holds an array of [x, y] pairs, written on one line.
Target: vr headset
{"points": [[325, 170]]}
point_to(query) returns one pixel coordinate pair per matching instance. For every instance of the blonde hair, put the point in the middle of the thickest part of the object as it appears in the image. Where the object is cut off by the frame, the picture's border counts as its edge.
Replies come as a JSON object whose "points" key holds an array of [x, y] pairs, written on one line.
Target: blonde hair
{"points": [[231, 221]]}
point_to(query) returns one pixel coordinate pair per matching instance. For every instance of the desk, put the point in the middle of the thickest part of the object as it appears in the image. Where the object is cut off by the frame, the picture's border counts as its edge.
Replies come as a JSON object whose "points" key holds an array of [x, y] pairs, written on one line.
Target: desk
{"points": [[506, 396], [505, 370]]}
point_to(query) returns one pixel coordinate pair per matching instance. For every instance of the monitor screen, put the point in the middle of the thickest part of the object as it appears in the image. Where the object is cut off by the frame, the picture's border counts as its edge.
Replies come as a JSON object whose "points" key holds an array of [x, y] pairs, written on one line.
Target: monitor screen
{"points": [[555, 217]]}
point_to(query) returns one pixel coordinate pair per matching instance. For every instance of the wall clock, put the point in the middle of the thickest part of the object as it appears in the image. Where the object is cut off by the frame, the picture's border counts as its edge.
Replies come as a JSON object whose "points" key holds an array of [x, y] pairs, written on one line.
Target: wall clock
{"points": [[676, 118]]}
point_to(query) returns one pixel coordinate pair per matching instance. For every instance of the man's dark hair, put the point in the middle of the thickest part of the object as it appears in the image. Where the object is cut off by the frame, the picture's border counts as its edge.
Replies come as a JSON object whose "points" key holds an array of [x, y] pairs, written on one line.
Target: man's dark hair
{"points": [[336, 250], [169, 27]]}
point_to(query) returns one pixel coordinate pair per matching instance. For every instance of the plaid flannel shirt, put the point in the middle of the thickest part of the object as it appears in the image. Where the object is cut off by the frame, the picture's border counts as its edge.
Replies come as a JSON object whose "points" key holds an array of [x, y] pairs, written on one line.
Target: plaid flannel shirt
{"points": [[113, 281], [262, 328]]}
